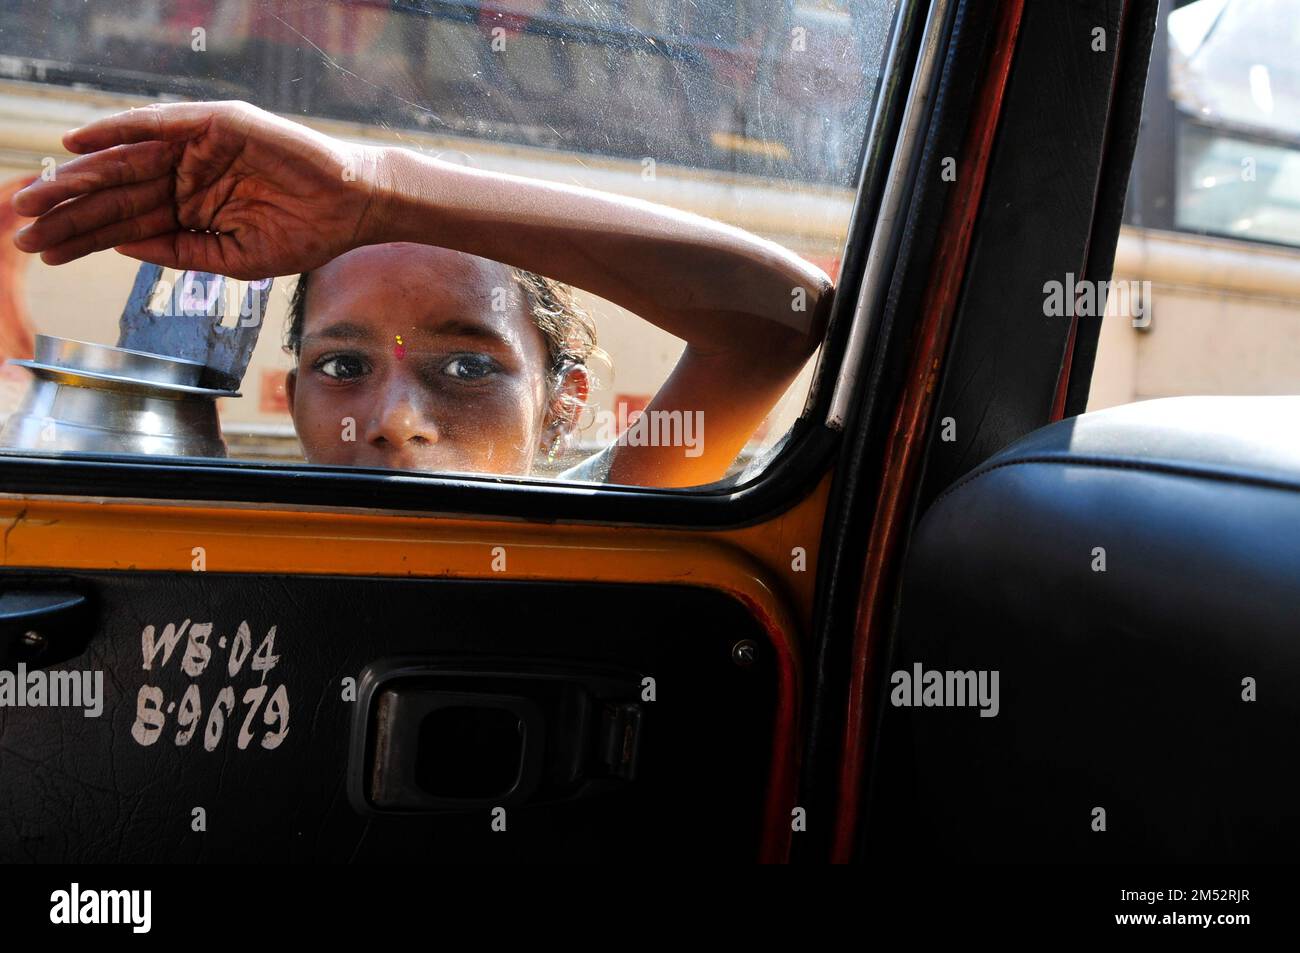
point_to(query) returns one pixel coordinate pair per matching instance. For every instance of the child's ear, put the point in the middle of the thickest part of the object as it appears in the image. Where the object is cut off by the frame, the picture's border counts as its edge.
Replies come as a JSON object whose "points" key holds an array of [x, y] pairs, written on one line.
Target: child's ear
{"points": [[290, 385], [568, 397], [571, 393]]}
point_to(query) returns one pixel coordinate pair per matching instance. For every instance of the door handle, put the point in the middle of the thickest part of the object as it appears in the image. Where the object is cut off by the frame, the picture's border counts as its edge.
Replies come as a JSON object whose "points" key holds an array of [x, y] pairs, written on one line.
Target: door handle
{"points": [[444, 735], [40, 627]]}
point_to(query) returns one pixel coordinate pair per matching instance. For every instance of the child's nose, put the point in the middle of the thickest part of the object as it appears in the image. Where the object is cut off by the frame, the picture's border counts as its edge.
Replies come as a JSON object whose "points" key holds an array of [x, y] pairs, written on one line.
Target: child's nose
{"points": [[402, 417]]}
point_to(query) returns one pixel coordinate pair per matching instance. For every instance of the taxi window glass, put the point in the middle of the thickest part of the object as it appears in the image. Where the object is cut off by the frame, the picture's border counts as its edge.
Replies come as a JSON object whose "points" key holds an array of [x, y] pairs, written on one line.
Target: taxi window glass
{"points": [[1203, 297], [590, 240], [1235, 85]]}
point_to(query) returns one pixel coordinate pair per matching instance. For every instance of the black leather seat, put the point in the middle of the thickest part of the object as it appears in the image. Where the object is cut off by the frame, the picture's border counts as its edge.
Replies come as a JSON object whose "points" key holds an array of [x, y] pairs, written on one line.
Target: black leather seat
{"points": [[1121, 687]]}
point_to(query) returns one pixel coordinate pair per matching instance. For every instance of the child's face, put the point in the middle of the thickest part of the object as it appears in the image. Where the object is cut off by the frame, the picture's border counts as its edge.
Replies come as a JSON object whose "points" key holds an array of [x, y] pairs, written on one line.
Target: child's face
{"points": [[403, 341]]}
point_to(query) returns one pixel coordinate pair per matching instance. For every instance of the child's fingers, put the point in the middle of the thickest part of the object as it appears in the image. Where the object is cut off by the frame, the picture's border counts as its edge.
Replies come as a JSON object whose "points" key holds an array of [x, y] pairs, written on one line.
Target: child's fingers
{"points": [[145, 228], [89, 214], [167, 122], [117, 166]]}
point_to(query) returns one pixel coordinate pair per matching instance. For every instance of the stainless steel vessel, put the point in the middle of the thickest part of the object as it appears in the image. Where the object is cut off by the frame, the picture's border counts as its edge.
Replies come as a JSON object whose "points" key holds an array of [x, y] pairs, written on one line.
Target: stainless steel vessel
{"points": [[98, 398], [102, 399]]}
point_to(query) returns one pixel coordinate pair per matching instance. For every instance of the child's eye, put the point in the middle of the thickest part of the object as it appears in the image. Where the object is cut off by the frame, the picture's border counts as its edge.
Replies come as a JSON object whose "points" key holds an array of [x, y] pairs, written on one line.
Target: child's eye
{"points": [[342, 367], [470, 367]]}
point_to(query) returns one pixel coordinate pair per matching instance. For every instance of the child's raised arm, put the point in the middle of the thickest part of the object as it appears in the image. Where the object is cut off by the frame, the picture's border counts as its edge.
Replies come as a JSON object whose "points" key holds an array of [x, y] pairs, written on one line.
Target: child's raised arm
{"points": [[231, 189]]}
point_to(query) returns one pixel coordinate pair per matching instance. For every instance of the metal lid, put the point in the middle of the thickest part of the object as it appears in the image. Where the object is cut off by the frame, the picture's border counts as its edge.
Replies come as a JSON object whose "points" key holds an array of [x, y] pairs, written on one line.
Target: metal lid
{"points": [[115, 362], [76, 377]]}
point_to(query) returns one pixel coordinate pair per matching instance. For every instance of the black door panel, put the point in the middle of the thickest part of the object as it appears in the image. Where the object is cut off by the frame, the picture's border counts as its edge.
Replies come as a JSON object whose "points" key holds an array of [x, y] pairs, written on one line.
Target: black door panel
{"points": [[121, 788]]}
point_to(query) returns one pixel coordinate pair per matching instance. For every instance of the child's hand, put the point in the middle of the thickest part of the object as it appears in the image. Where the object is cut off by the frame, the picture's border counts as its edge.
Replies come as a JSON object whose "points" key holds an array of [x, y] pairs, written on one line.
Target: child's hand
{"points": [[219, 187]]}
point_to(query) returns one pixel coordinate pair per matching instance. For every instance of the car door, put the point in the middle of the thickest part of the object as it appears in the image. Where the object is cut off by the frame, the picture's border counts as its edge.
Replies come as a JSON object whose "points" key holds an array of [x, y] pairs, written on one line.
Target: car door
{"points": [[259, 660]]}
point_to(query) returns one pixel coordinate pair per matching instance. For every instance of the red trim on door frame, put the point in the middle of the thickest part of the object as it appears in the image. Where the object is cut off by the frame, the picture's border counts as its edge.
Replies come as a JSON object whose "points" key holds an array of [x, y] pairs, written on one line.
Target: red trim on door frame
{"points": [[903, 451], [1063, 378], [1067, 362]]}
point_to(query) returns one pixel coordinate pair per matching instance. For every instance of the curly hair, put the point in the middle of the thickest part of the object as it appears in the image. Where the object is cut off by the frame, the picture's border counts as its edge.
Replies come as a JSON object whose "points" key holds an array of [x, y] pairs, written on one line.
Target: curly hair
{"points": [[570, 331]]}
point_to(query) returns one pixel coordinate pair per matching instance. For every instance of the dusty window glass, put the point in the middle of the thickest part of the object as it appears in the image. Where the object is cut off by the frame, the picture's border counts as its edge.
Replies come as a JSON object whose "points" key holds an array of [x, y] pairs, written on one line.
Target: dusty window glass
{"points": [[487, 321]]}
